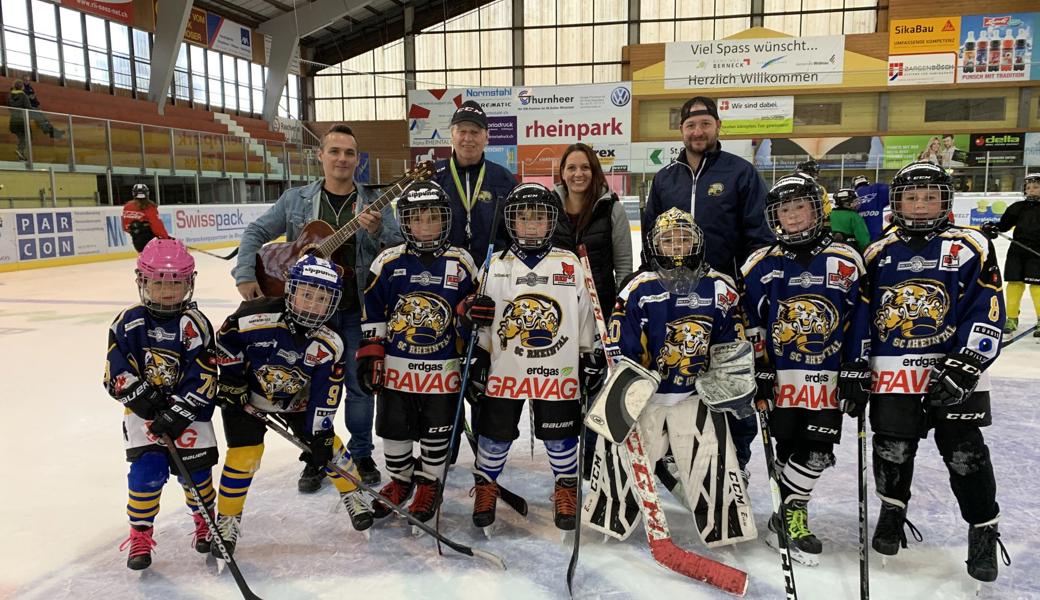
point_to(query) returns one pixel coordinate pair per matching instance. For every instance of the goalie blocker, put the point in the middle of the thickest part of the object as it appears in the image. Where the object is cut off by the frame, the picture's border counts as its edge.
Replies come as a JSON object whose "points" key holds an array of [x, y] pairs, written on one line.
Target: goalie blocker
{"points": [[621, 400]]}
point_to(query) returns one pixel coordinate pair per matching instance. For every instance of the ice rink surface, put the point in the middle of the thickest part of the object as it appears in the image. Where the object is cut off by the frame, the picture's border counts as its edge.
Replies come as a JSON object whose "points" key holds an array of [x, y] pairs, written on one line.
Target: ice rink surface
{"points": [[64, 480]]}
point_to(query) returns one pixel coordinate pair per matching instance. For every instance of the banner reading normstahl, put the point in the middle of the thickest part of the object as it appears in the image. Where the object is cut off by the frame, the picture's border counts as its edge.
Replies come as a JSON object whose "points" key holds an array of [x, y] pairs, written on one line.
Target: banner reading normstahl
{"points": [[807, 61]]}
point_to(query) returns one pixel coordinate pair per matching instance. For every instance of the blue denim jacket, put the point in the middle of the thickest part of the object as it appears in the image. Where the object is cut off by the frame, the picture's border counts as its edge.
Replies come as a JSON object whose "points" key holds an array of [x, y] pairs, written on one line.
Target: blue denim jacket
{"points": [[291, 213]]}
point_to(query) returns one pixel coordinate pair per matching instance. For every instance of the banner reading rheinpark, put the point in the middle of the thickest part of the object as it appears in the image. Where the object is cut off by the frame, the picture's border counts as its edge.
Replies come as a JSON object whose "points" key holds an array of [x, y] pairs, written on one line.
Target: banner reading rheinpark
{"points": [[760, 62]]}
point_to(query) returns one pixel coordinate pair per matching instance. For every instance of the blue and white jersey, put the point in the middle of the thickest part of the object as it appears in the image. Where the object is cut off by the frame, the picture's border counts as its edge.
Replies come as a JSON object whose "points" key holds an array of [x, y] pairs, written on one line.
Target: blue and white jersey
{"points": [[873, 206]]}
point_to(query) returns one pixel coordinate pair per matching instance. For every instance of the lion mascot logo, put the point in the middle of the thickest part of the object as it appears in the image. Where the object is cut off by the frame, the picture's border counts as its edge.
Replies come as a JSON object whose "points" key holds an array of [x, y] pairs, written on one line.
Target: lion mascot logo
{"points": [[807, 321], [685, 345], [534, 318], [916, 308], [161, 368], [420, 318]]}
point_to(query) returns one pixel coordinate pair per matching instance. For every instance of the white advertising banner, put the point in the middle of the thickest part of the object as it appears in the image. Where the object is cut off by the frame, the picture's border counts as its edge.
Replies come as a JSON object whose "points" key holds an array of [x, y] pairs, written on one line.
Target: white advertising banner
{"points": [[922, 69], [651, 157], [1032, 149], [229, 37], [787, 62], [757, 115]]}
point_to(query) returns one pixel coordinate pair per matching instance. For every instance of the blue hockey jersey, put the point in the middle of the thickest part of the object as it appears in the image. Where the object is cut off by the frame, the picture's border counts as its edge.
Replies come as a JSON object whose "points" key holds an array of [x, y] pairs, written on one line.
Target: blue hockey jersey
{"points": [[172, 355], [873, 203], [672, 334], [932, 296], [285, 372], [411, 305], [807, 313]]}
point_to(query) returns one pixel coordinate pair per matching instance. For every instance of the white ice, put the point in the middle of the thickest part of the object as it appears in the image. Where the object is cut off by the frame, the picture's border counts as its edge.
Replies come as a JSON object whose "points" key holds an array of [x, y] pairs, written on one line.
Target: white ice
{"points": [[64, 494]]}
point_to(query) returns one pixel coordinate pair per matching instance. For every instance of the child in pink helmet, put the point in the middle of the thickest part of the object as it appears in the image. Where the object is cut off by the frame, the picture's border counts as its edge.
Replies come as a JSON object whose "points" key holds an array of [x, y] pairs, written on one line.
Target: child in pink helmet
{"points": [[160, 368]]}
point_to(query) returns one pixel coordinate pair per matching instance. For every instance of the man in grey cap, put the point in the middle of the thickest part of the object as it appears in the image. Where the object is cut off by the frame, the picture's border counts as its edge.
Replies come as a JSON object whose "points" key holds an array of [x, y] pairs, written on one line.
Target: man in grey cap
{"points": [[474, 185]]}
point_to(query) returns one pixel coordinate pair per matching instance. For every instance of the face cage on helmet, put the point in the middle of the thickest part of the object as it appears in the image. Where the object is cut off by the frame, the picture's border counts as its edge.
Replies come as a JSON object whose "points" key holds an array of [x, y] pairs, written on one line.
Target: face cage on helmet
{"points": [[157, 306], [924, 224], [539, 211], [679, 272], [306, 319], [411, 212], [802, 237]]}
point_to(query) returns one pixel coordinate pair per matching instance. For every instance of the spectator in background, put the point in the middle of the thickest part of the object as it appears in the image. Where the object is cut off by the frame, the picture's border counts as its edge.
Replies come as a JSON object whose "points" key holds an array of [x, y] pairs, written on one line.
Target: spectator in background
{"points": [[141, 218], [40, 118], [21, 106], [873, 204], [932, 152], [847, 225], [30, 92]]}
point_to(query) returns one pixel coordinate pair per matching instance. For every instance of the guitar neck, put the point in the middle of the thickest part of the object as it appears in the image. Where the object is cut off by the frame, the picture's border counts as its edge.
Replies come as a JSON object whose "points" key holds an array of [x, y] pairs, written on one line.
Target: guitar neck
{"points": [[337, 239]]}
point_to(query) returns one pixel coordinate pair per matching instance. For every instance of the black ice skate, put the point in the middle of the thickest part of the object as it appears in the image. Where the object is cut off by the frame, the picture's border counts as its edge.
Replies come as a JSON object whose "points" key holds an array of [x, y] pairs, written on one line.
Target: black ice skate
{"points": [[425, 503], [805, 546], [310, 479], [141, 544], [889, 535], [202, 538], [565, 502], [983, 540], [368, 470], [485, 493], [358, 508], [230, 528], [396, 492]]}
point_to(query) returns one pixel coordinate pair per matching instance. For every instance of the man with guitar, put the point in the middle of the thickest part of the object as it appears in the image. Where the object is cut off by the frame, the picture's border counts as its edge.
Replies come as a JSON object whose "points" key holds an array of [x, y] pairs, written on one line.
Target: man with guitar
{"points": [[335, 199]]}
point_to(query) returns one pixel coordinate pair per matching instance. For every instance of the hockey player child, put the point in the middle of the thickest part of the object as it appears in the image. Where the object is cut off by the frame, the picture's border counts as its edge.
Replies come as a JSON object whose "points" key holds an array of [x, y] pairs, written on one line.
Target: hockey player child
{"points": [[277, 355], [141, 218], [535, 343], [668, 319], [159, 367], [410, 354], [1022, 266], [936, 313], [846, 223], [808, 317]]}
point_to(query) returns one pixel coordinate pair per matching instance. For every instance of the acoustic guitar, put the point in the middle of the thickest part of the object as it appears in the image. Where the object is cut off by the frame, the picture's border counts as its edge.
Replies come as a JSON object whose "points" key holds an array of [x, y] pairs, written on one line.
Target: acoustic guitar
{"points": [[273, 261]]}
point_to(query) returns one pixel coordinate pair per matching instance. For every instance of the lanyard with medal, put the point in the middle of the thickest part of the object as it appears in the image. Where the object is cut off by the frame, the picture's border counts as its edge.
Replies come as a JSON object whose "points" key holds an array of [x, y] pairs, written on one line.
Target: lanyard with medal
{"points": [[467, 200]]}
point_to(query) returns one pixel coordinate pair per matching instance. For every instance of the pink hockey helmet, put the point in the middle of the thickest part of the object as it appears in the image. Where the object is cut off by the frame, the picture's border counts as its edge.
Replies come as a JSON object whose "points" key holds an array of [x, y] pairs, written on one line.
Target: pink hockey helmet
{"points": [[165, 277]]}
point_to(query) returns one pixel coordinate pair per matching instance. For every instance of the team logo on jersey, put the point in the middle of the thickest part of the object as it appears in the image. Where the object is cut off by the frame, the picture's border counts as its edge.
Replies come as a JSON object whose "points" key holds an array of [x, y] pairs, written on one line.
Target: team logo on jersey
{"points": [[916, 265], [161, 368], [276, 379], [534, 319], [566, 276], [716, 189], [951, 256], [420, 320], [685, 346], [425, 278], [915, 308], [726, 299], [452, 281], [190, 335], [841, 276], [161, 335], [531, 280], [806, 322], [805, 280], [290, 356], [691, 301]]}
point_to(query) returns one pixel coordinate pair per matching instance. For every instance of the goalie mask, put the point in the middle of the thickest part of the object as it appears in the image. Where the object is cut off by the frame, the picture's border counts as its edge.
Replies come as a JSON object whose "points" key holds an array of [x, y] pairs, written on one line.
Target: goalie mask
{"points": [[531, 212], [921, 198], [165, 277], [794, 210], [1031, 186], [312, 291], [424, 212], [676, 249]]}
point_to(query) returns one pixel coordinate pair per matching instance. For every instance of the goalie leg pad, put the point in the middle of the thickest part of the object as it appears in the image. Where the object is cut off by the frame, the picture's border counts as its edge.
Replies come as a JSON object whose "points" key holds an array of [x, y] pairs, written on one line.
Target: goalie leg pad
{"points": [[610, 505], [621, 400]]}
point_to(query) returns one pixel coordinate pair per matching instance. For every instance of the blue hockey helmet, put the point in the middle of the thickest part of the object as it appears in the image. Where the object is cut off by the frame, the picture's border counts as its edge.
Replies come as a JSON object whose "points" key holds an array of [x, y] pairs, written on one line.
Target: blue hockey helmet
{"points": [[313, 291]]}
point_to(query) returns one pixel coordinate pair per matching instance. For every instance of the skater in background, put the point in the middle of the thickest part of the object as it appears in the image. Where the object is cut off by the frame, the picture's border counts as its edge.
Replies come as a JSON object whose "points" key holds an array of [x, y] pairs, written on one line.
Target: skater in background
{"points": [[1021, 267], [141, 218]]}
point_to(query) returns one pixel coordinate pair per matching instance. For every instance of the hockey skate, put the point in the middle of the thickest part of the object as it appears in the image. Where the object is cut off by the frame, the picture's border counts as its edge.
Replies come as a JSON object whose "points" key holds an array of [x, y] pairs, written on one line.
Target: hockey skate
{"points": [[359, 509], [395, 492], [485, 493], [983, 540], [202, 538], [311, 479], [1010, 325], [805, 547], [141, 543], [426, 502], [565, 503], [230, 528], [889, 535], [368, 470]]}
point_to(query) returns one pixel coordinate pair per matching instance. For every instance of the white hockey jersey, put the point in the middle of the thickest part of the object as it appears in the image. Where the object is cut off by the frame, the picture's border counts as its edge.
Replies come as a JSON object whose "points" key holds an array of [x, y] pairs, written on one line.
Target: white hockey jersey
{"points": [[543, 321]]}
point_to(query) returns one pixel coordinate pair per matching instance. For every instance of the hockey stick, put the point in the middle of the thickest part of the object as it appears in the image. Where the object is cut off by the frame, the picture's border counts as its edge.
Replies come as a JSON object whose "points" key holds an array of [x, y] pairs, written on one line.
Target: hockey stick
{"points": [[464, 381], [204, 513], [778, 507], [658, 536], [1019, 336], [511, 498], [1018, 243], [281, 429], [233, 254], [864, 560]]}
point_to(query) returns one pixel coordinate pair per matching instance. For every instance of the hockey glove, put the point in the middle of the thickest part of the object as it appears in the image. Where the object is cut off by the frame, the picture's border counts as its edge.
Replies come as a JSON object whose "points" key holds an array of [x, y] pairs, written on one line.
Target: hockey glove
{"points": [[990, 230], [173, 420], [144, 400], [370, 363], [232, 389], [593, 368], [478, 374], [765, 379], [952, 381], [476, 310], [320, 446], [854, 383]]}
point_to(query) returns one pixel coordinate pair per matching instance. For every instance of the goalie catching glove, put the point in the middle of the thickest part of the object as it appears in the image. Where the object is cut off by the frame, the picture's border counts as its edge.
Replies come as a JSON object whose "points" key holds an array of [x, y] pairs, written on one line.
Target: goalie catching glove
{"points": [[728, 385]]}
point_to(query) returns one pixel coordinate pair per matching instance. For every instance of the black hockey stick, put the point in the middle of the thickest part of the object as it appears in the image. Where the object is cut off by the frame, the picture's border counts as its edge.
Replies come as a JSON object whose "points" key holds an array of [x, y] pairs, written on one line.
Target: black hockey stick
{"points": [[1019, 336], [282, 429], [464, 381], [511, 498], [864, 561], [217, 538], [1018, 243], [233, 254], [774, 485]]}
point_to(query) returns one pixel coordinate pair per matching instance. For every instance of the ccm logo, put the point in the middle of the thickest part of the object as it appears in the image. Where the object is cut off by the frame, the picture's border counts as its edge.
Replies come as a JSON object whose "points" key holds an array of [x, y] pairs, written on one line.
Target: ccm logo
{"points": [[823, 430], [966, 416]]}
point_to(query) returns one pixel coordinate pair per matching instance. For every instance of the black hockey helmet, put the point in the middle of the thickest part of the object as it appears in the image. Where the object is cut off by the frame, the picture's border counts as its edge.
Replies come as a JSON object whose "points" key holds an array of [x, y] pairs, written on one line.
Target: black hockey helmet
{"points": [[846, 198], [676, 249], [527, 207], [140, 190], [859, 180], [423, 207], [788, 227], [1031, 178], [809, 167], [914, 187]]}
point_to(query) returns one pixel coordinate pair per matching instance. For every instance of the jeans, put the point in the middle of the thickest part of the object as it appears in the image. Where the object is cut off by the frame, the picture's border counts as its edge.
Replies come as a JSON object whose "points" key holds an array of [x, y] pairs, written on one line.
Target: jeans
{"points": [[359, 407]]}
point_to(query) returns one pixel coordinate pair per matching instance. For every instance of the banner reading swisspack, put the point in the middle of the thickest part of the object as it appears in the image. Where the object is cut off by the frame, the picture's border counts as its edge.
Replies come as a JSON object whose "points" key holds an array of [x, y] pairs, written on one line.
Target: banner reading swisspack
{"points": [[790, 62]]}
